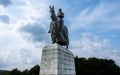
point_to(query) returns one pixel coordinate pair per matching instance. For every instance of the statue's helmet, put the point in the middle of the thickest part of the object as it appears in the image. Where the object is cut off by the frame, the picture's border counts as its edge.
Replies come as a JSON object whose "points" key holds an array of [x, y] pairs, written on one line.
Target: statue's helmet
{"points": [[60, 13], [60, 9]]}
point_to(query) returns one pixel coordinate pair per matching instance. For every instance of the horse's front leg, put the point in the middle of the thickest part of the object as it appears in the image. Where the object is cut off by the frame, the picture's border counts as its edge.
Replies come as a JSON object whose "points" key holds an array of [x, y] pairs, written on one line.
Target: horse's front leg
{"points": [[66, 46]]}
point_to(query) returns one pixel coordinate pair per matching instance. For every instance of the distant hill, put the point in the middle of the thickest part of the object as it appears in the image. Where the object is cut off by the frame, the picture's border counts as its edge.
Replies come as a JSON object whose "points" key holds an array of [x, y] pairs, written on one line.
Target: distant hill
{"points": [[3, 71]]}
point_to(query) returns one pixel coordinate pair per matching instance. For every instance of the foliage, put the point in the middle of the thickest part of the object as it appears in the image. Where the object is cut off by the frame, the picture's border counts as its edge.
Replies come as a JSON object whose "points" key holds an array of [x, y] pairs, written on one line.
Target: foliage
{"points": [[95, 66], [35, 70], [15, 72], [32, 71], [25, 72]]}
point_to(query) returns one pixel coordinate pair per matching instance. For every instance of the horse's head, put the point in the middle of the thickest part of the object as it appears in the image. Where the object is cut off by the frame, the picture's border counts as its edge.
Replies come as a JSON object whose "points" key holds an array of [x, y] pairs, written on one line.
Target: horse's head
{"points": [[51, 9], [52, 12]]}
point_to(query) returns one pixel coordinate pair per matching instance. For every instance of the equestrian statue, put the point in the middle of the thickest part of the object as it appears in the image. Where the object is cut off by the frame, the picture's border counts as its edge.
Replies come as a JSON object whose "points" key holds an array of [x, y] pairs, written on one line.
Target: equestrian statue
{"points": [[59, 32]]}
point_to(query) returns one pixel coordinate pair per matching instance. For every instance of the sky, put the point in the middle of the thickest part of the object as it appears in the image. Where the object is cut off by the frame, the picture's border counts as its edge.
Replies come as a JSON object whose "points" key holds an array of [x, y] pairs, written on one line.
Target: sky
{"points": [[94, 30]]}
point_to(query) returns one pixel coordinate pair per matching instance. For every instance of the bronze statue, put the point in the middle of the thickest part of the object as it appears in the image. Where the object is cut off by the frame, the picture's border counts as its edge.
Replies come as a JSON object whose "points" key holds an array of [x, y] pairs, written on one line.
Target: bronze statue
{"points": [[59, 32]]}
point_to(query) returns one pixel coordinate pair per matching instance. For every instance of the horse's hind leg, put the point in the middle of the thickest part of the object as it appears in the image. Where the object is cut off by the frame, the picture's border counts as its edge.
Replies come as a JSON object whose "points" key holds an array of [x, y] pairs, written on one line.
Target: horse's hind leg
{"points": [[53, 39]]}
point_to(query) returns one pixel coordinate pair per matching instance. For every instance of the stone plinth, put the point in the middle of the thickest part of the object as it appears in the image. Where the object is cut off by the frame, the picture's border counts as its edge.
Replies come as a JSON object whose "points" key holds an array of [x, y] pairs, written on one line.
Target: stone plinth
{"points": [[57, 60]]}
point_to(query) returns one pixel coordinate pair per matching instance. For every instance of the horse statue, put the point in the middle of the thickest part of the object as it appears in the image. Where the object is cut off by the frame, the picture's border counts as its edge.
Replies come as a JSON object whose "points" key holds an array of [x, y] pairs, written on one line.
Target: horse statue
{"points": [[59, 32]]}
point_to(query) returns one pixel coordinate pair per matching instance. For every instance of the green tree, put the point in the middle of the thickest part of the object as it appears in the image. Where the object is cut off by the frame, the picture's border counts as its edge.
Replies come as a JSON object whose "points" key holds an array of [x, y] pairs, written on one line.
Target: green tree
{"points": [[15, 72], [25, 72], [35, 70], [95, 66]]}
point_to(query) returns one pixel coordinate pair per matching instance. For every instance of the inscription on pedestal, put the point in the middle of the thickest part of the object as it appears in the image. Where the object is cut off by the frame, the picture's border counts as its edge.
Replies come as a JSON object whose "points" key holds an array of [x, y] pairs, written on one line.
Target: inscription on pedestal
{"points": [[48, 66]]}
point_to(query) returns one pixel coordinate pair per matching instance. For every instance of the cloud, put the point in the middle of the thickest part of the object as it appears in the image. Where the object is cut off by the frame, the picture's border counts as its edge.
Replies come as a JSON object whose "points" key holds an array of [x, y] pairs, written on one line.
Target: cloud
{"points": [[23, 40], [16, 49], [34, 32], [5, 3], [4, 19], [88, 44], [33, 10], [104, 18], [97, 18], [2, 63]]}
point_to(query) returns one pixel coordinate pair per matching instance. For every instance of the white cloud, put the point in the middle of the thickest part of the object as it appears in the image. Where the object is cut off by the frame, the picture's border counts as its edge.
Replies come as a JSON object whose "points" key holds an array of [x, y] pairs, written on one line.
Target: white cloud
{"points": [[1, 8], [16, 50], [19, 53], [88, 45], [35, 9], [101, 15], [104, 17]]}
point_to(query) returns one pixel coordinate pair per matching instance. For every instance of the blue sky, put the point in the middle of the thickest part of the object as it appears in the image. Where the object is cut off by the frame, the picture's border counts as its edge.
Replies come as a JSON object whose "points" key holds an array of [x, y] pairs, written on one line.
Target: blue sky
{"points": [[94, 30]]}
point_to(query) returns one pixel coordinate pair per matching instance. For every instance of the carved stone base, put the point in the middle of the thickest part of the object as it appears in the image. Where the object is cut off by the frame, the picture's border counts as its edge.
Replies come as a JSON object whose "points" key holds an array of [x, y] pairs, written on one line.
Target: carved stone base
{"points": [[56, 60]]}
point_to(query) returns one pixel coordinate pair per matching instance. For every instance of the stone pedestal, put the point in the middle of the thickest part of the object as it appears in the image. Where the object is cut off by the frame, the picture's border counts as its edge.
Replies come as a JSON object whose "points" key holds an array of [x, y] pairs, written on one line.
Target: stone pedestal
{"points": [[57, 60]]}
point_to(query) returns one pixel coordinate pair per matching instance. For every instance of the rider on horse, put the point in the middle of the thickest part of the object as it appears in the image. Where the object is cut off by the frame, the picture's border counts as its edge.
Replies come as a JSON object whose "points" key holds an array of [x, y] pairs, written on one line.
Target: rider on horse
{"points": [[59, 32], [60, 16]]}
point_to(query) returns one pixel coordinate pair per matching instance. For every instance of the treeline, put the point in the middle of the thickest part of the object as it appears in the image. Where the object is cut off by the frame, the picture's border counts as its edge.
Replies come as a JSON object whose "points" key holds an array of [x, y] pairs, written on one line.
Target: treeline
{"points": [[83, 66], [95, 66], [32, 71]]}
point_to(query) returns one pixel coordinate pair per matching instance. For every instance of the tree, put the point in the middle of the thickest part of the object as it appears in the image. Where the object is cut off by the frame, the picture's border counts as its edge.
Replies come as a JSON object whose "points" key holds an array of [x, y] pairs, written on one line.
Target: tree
{"points": [[25, 72], [35, 70], [95, 66], [15, 72]]}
